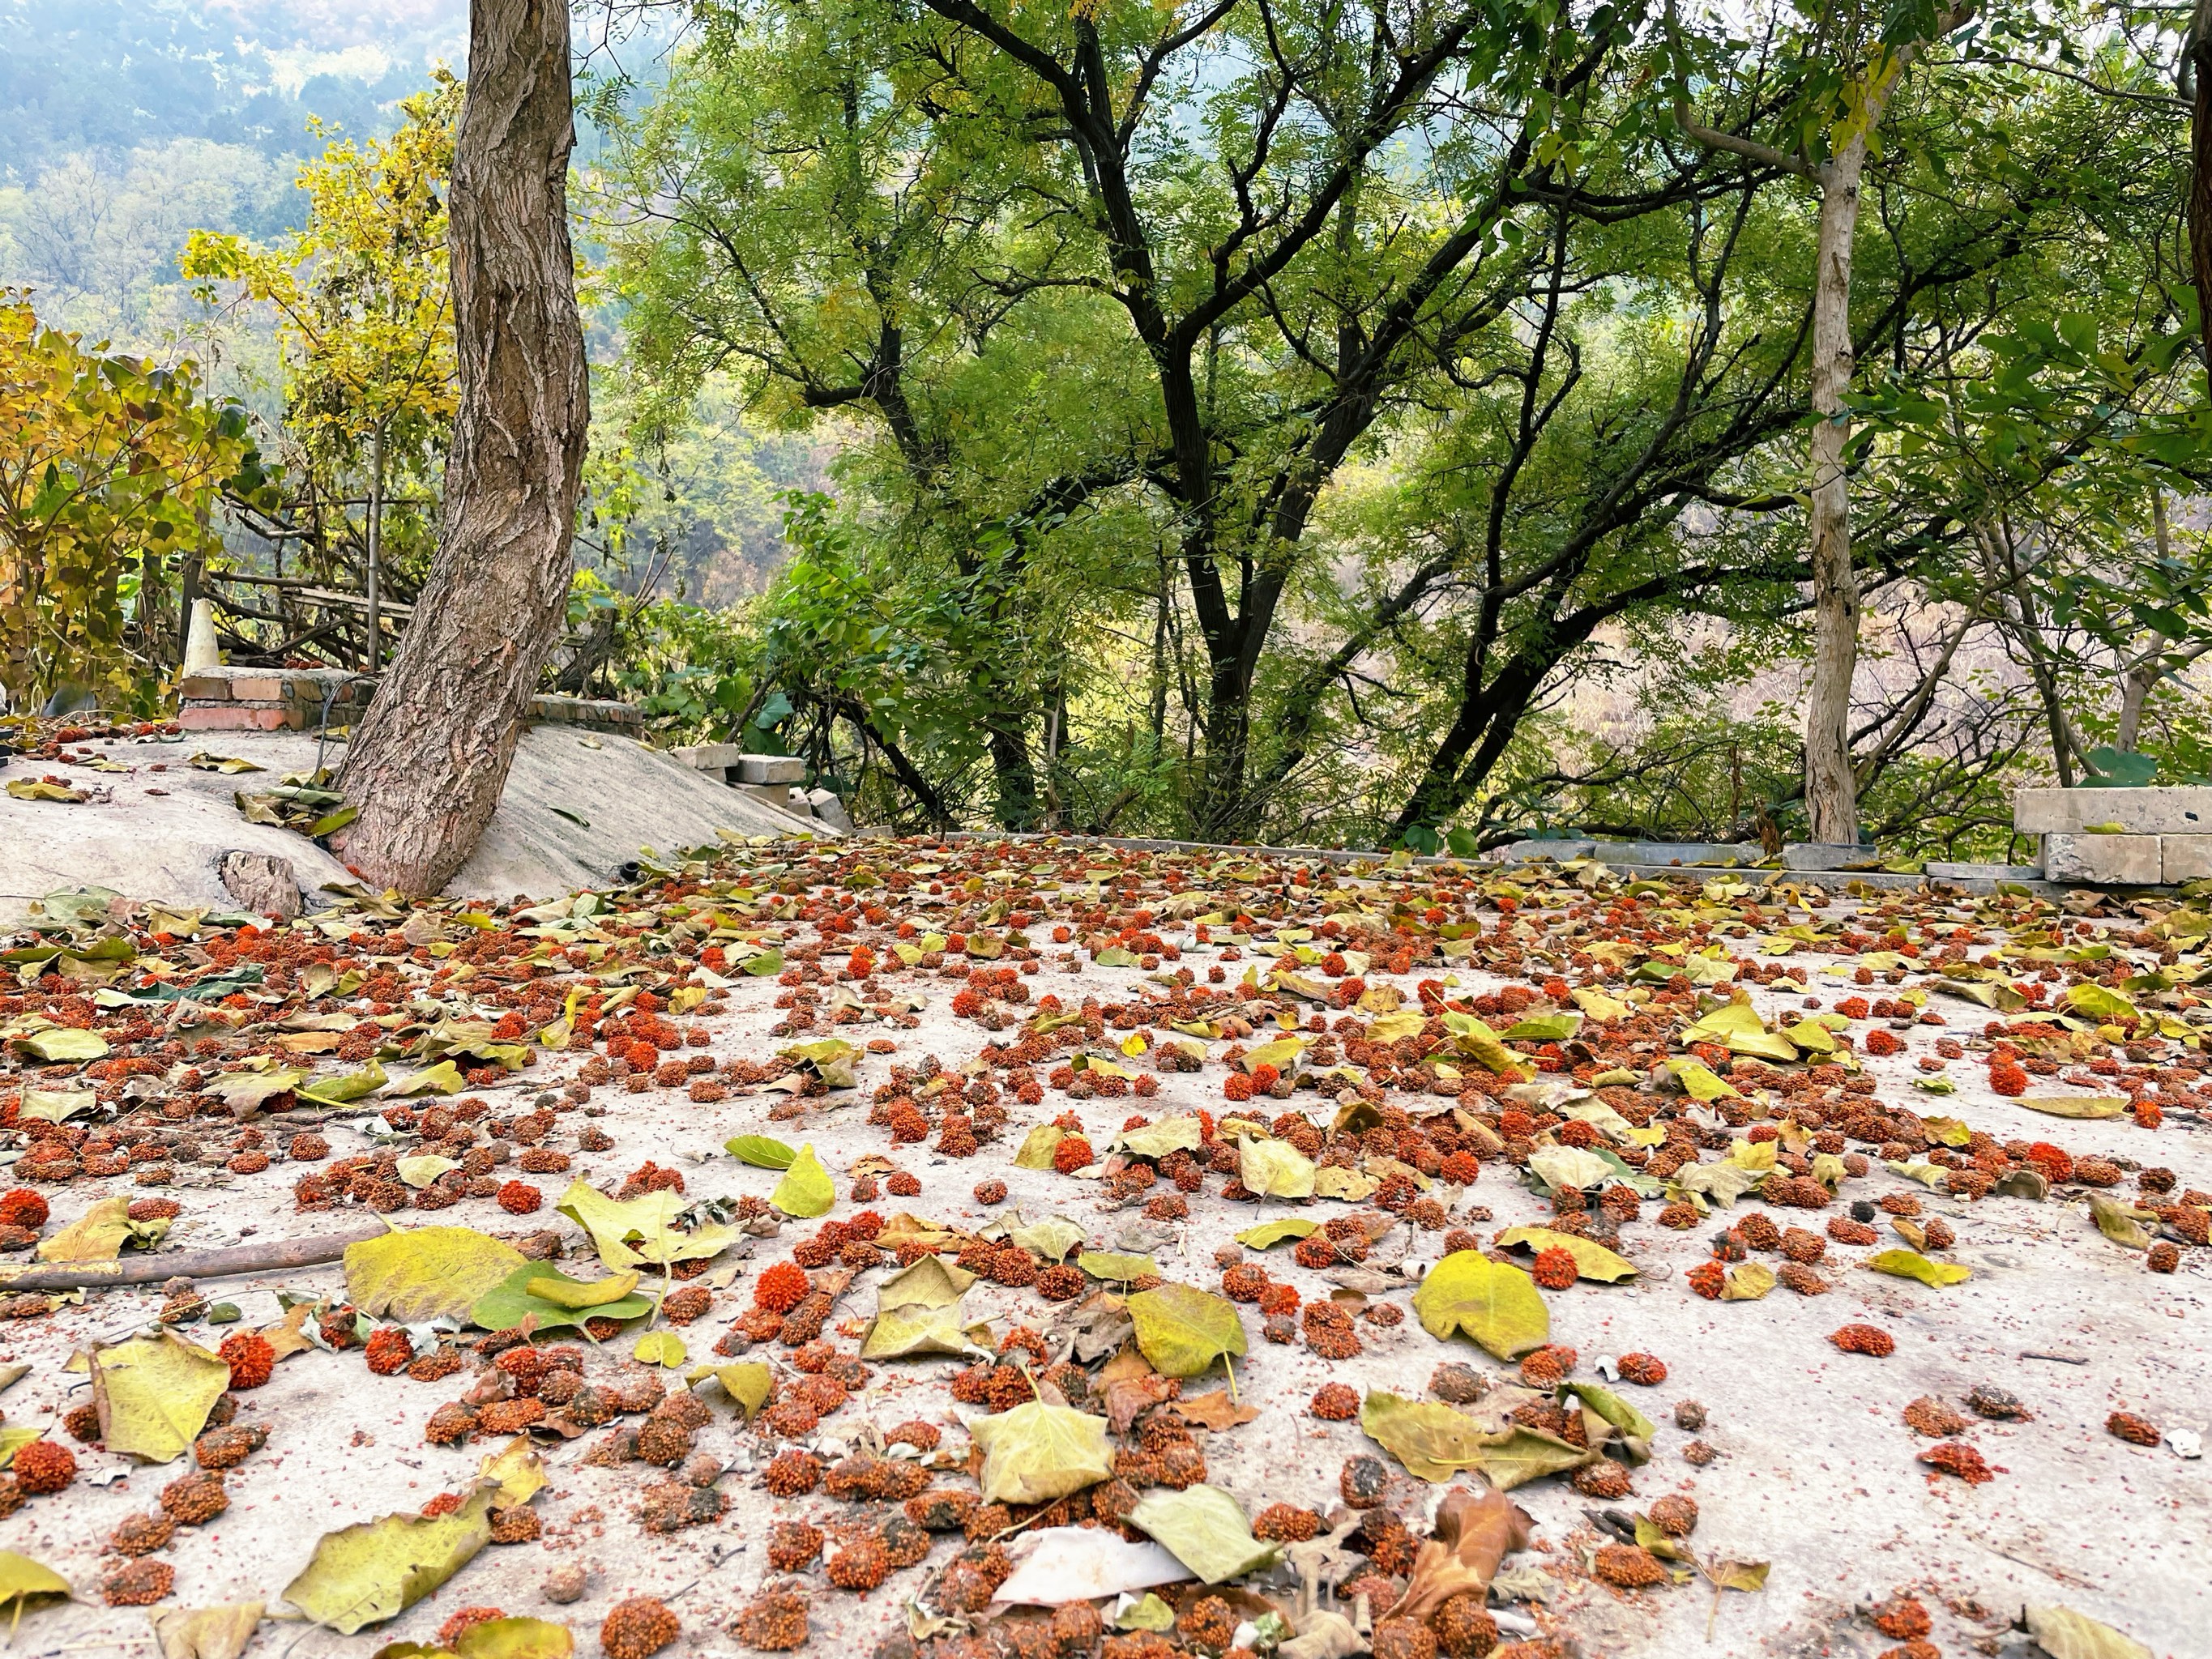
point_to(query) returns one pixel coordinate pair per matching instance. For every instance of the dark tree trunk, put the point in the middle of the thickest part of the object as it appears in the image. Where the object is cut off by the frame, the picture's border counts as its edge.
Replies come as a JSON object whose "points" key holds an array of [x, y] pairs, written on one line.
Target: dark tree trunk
{"points": [[434, 750], [2199, 51]]}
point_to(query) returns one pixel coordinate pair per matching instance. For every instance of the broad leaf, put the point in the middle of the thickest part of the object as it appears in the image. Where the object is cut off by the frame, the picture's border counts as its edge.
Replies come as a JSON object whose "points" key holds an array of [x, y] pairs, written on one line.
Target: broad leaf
{"points": [[1268, 1234], [1497, 1307], [363, 1575], [805, 1191], [1275, 1169], [1205, 1530], [1592, 1259], [2065, 1634], [761, 1151], [1182, 1330], [428, 1272], [513, 1300], [1036, 1453], [1911, 1264], [1431, 1438], [154, 1395]]}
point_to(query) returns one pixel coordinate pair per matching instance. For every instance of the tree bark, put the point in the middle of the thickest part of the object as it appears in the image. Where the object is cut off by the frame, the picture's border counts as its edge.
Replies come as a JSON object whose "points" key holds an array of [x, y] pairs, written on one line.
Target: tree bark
{"points": [[1832, 802], [374, 558], [2142, 675], [1830, 786], [432, 757], [2197, 57]]}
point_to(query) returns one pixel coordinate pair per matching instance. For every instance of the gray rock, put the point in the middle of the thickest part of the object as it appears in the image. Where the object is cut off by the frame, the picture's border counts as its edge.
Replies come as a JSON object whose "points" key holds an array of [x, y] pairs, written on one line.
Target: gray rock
{"points": [[1521, 851], [1830, 856], [1937, 870], [1681, 852]]}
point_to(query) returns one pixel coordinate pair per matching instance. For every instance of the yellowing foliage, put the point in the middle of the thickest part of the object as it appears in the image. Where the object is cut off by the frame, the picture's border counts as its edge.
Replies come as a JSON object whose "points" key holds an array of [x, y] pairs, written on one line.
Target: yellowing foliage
{"points": [[109, 466]]}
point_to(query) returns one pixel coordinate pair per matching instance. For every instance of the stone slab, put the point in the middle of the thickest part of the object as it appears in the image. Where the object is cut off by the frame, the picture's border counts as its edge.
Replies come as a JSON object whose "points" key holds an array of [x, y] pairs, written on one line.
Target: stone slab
{"points": [[771, 768], [2104, 861], [241, 717], [1521, 851], [825, 806], [1939, 870], [780, 796], [2166, 809], [2186, 858], [164, 835], [1686, 853], [585, 711], [1830, 856], [708, 757]]}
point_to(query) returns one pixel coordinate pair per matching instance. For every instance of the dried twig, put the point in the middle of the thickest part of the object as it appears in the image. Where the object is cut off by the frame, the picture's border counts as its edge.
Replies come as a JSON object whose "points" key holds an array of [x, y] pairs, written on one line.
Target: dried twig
{"points": [[160, 1266]]}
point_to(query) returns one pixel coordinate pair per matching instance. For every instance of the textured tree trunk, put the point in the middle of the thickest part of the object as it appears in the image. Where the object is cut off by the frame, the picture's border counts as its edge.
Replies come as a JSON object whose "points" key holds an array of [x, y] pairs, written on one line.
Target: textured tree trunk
{"points": [[2142, 675], [374, 558], [432, 753], [2197, 49], [1831, 790]]}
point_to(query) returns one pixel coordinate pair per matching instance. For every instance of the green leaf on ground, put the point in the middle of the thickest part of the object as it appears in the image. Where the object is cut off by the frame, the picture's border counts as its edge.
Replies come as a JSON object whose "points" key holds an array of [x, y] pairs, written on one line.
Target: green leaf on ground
{"points": [[1205, 1530], [427, 1272], [761, 1151], [365, 1574], [805, 1191], [1911, 1264], [1495, 1306], [1182, 1330], [1036, 1453]]}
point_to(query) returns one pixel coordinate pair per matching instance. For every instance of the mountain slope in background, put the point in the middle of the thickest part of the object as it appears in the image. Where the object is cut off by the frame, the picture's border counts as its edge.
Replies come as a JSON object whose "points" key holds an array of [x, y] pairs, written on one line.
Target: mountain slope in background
{"points": [[119, 74]]}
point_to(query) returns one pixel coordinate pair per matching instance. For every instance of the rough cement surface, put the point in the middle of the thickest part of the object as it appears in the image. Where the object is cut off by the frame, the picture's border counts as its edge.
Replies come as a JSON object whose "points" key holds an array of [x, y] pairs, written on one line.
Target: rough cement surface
{"points": [[160, 835], [1815, 1470]]}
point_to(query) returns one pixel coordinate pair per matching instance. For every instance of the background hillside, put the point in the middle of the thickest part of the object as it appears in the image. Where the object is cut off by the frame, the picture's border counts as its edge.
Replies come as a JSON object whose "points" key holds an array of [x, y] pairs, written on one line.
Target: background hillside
{"points": [[126, 124]]}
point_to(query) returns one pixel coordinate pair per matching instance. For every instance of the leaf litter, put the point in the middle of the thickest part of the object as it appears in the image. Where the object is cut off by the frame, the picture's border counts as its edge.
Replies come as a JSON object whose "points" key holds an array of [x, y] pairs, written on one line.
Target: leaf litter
{"points": [[1139, 1046]]}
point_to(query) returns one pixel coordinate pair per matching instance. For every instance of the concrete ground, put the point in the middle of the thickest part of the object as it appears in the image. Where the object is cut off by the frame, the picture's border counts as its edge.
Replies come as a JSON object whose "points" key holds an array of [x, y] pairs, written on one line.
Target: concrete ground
{"points": [[1815, 1472], [578, 805]]}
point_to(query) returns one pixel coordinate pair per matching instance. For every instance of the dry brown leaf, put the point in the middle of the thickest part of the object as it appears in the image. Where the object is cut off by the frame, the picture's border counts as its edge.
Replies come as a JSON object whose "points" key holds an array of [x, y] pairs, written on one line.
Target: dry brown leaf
{"points": [[1215, 1410], [1128, 1397], [1474, 1532]]}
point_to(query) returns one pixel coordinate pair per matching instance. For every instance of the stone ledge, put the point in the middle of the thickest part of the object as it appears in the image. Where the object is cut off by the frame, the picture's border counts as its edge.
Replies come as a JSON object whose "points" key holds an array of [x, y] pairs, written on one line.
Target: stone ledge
{"points": [[2164, 810], [1830, 856], [1939, 870], [2104, 861], [771, 768], [2186, 858], [708, 757]]}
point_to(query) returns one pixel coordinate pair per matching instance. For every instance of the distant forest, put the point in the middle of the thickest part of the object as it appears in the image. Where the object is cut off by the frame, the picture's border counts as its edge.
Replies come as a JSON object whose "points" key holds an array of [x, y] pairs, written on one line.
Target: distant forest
{"points": [[124, 124], [115, 75]]}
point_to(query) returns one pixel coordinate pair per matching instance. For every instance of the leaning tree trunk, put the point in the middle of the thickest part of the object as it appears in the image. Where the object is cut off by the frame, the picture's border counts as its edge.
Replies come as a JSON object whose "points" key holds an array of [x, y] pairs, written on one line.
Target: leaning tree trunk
{"points": [[432, 756], [1831, 788]]}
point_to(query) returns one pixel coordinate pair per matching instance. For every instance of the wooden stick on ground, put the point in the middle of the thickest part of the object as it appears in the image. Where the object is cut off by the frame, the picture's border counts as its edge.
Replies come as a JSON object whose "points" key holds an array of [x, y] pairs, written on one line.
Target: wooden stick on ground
{"points": [[160, 1266]]}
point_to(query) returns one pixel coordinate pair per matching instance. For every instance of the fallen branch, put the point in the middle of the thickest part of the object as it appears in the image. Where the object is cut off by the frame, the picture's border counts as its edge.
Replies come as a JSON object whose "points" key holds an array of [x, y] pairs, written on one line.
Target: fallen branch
{"points": [[159, 1266]]}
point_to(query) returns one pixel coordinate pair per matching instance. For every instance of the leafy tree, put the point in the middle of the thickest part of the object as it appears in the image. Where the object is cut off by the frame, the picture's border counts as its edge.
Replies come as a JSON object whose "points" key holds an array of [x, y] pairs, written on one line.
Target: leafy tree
{"points": [[364, 298], [110, 468], [1849, 59], [1344, 390]]}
